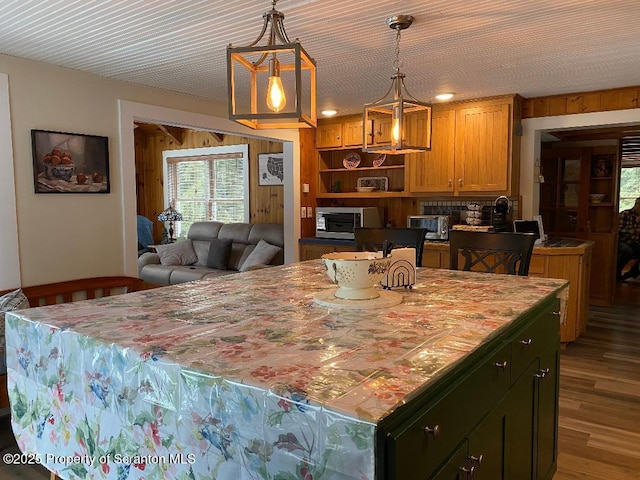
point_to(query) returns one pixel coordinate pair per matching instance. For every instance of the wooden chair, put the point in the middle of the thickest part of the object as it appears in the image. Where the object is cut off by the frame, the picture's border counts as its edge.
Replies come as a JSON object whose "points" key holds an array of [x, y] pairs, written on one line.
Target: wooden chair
{"points": [[374, 239], [492, 251]]}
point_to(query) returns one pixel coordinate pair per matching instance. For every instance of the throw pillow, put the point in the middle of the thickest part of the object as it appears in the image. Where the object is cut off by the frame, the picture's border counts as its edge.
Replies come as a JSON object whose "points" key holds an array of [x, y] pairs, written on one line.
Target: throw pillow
{"points": [[219, 252], [180, 253], [15, 300], [261, 255]]}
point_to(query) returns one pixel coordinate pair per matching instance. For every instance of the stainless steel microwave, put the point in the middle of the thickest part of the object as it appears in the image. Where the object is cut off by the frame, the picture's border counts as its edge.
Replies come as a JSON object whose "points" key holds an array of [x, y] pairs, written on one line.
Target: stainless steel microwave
{"points": [[339, 222], [437, 226]]}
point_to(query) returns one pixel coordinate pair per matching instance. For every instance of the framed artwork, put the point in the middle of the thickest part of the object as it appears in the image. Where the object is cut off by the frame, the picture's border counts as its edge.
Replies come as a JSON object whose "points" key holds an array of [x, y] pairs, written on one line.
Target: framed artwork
{"points": [[70, 162], [271, 169], [380, 184]]}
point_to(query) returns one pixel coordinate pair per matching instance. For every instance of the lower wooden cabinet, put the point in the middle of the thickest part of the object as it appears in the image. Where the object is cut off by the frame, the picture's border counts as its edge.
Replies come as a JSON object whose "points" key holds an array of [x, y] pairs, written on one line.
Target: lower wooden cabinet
{"points": [[497, 420], [312, 251], [571, 263]]}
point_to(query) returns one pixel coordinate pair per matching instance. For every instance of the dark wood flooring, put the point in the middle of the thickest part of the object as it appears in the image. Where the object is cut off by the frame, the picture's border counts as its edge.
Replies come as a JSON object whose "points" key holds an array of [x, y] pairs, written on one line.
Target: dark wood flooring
{"points": [[599, 424]]}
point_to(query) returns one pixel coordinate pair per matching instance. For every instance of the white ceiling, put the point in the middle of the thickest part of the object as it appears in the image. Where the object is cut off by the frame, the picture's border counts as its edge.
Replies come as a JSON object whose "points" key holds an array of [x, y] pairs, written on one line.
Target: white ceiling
{"points": [[475, 48]]}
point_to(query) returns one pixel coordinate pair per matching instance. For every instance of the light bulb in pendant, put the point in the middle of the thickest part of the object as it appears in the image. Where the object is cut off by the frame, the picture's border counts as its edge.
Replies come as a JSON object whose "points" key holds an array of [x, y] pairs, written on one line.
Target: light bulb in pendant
{"points": [[276, 99], [395, 126]]}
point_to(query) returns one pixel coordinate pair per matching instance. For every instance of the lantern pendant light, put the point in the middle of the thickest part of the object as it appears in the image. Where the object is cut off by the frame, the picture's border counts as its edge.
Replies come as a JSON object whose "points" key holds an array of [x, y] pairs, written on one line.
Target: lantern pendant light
{"points": [[272, 85], [397, 123]]}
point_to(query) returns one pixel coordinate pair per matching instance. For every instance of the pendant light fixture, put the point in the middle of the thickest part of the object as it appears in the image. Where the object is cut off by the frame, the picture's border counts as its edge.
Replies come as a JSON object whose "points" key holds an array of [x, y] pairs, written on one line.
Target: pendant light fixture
{"points": [[272, 85], [397, 123]]}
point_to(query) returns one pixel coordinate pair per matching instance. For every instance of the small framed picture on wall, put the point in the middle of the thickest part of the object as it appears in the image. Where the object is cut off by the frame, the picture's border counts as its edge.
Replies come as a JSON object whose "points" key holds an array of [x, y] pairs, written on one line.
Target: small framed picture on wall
{"points": [[271, 169], [70, 162]]}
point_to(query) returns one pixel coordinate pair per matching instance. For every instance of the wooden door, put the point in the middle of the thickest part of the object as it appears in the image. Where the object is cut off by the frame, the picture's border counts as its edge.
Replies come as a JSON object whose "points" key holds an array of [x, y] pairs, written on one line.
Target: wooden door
{"points": [[482, 149], [433, 171]]}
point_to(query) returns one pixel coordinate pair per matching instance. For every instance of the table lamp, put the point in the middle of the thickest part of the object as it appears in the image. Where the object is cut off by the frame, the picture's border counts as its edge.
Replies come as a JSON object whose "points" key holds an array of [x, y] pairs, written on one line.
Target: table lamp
{"points": [[170, 215]]}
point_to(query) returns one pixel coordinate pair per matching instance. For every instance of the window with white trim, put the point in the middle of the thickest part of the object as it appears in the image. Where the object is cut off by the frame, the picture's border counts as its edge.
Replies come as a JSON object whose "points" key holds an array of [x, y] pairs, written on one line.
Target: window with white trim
{"points": [[207, 184]]}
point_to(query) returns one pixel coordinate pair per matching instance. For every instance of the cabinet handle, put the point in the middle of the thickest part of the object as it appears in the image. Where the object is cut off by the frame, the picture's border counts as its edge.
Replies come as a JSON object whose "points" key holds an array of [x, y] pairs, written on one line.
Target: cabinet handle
{"points": [[450, 183], [557, 314], [434, 432], [460, 182], [479, 459], [502, 365], [542, 373], [526, 342], [469, 472]]}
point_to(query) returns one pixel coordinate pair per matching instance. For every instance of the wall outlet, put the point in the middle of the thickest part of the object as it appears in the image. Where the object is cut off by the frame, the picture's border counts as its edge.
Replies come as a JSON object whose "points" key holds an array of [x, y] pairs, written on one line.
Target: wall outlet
{"points": [[309, 212], [303, 212]]}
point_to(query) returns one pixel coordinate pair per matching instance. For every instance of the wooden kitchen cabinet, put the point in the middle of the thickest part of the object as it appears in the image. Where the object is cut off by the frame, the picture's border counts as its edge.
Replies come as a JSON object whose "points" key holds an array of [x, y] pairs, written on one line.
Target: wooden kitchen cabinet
{"points": [[432, 172], [329, 135], [475, 150], [311, 251]]}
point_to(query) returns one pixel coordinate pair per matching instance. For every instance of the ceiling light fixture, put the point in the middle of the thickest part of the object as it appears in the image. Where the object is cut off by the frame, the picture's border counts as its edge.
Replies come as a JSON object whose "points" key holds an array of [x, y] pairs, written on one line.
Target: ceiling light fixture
{"points": [[272, 85], [329, 113], [444, 96], [406, 120]]}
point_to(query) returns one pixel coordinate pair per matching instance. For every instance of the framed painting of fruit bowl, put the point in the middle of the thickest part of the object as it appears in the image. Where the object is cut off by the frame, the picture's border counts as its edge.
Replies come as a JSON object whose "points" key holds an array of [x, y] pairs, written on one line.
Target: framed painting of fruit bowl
{"points": [[70, 162]]}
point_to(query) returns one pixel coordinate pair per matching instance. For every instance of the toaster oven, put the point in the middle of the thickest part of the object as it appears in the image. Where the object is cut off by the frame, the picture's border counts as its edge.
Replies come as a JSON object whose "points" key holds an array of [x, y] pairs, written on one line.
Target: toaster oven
{"points": [[339, 222], [436, 226]]}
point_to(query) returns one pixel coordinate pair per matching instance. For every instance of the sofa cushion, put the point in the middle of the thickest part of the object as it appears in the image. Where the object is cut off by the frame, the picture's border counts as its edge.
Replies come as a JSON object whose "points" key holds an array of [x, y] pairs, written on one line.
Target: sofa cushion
{"points": [[192, 273], [180, 253], [262, 254], [219, 252]]}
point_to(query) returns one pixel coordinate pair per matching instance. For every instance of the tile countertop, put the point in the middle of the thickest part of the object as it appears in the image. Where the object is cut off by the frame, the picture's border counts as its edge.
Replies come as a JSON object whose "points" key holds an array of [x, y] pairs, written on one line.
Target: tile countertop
{"points": [[247, 360]]}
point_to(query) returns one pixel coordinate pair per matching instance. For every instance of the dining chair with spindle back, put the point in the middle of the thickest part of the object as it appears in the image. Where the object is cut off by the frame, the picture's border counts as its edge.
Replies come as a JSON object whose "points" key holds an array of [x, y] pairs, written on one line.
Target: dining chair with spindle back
{"points": [[493, 252], [375, 239]]}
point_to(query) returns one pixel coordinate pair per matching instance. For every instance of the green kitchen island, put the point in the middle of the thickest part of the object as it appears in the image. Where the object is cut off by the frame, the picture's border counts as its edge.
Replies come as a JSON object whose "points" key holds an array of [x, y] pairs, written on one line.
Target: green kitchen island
{"points": [[248, 377]]}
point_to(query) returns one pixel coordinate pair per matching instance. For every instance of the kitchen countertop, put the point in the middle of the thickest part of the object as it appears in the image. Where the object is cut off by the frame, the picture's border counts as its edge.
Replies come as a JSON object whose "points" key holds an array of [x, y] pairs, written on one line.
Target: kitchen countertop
{"points": [[553, 245], [245, 370]]}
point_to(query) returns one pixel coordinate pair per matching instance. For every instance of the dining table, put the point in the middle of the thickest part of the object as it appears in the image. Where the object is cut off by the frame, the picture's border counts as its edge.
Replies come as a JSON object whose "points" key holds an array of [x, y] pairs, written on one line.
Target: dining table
{"points": [[246, 376]]}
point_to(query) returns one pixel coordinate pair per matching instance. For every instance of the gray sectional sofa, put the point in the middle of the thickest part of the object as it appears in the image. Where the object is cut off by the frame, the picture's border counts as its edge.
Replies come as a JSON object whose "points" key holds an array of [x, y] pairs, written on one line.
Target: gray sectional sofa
{"points": [[213, 249]]}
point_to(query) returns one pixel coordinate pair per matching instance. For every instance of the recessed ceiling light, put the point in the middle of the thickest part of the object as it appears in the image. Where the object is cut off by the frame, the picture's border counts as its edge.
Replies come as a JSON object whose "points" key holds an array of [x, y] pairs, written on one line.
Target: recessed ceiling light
{"points": [[444, 96], [329, 113]]}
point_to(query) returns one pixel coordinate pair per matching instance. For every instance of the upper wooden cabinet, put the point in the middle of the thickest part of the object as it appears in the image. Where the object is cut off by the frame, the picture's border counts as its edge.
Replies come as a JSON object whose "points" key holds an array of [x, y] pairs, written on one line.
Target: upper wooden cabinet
{"points": [[329, 135], [474, 150], [433, 171]]}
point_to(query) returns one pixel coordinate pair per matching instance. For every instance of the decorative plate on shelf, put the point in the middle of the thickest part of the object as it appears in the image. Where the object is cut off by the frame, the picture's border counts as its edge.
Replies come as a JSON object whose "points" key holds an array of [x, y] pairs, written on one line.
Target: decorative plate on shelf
{"points": [[379, 159], [352, 160]]}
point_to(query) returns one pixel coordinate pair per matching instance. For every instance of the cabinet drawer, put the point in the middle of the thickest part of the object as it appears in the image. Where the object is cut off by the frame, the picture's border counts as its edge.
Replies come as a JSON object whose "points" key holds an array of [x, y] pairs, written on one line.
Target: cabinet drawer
{"points": [[528, 344], [415, 453]]}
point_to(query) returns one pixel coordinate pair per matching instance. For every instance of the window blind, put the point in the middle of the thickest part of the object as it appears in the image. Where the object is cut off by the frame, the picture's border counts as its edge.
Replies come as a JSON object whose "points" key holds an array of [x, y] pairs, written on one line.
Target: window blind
{"points": [[207, 187]]}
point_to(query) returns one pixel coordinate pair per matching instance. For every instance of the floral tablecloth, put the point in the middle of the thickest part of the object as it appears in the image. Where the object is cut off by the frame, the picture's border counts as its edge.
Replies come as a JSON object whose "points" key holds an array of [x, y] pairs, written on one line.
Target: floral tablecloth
{"points": [[243, 377]]}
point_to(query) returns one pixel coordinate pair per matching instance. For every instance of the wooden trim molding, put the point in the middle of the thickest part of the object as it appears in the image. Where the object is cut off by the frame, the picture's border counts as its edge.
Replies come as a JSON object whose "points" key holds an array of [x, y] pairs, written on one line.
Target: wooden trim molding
{"points": [[586, 102]]}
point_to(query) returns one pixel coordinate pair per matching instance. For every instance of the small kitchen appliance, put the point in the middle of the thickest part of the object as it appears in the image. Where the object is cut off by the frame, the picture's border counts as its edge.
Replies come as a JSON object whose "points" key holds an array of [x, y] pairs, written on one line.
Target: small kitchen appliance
{"points": [[339, 222], [437, 226], [500, 215]]}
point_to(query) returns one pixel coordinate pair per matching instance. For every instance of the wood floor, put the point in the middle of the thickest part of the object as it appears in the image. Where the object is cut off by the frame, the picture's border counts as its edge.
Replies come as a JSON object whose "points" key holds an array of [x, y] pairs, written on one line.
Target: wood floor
{"points": [[599, 424]]}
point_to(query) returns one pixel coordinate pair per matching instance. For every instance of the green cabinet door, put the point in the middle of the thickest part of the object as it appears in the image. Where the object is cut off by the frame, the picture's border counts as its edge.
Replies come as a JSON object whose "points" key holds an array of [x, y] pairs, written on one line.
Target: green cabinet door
{"points": [[548, 387], [456, 467], [487, 446], [522, 424]]}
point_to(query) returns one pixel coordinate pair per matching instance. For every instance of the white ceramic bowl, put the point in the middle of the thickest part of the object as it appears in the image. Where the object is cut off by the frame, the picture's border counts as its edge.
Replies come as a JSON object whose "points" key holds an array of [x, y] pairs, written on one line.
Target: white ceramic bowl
{"points": [[356, 273], [365, 189]]}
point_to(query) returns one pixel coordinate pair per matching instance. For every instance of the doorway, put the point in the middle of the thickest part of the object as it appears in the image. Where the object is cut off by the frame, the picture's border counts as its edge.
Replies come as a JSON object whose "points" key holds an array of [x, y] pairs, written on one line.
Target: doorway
{"points": [[618, 195]]}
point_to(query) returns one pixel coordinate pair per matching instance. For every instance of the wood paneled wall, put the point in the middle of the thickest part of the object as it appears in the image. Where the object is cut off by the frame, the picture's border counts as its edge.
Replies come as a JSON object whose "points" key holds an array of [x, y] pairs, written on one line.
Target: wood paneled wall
{"points": [[597, 101], [266, 203]]}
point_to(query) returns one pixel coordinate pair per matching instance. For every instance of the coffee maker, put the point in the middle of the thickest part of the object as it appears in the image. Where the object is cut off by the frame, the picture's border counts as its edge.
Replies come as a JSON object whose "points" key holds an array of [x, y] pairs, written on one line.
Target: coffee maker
{"points": [[500, 215]]}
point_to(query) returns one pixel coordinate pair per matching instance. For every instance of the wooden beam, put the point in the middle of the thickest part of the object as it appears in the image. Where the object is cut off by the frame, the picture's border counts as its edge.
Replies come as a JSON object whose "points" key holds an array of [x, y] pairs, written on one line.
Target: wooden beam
{"points": [[217, 136], [175, 133]]}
